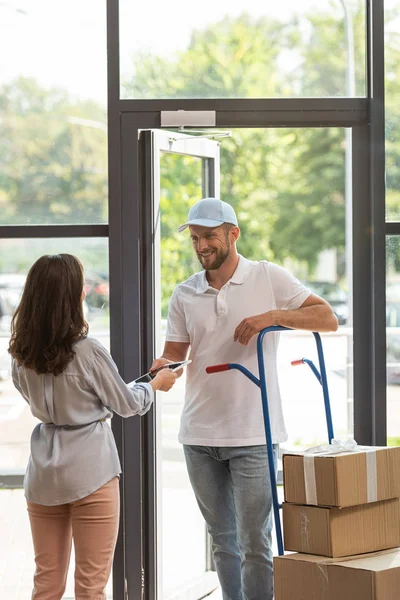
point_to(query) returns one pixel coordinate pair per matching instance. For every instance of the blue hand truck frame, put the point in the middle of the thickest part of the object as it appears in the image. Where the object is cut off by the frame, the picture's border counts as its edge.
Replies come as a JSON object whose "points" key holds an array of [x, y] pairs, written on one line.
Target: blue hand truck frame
{"points": [[261, 383]]}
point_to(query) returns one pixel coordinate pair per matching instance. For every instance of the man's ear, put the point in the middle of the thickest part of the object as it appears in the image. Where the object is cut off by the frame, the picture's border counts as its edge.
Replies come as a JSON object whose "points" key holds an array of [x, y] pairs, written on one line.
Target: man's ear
{"points": [[235, 232]]}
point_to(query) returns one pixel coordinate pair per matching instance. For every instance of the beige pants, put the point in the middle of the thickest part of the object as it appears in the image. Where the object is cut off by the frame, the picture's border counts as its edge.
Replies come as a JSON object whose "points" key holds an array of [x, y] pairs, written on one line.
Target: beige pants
{"points": [[93, 524]]}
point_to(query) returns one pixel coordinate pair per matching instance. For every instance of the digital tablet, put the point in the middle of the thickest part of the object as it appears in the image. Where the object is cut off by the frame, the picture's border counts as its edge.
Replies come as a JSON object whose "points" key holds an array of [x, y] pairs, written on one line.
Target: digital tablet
{"points": [[174, 366]]}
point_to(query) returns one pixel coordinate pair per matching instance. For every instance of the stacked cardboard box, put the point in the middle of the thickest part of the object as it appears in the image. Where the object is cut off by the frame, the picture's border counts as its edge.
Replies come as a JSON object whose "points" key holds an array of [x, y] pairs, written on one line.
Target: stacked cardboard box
{"points": [[341, 505], [367, 577]]}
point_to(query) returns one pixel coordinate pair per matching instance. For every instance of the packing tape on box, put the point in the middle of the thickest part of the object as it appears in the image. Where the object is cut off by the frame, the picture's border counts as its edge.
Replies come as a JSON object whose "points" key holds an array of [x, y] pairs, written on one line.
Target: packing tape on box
{"points": [[309, 479], [323, 570], [337, 447], [323, 567], [305, 530], [372, 477]]}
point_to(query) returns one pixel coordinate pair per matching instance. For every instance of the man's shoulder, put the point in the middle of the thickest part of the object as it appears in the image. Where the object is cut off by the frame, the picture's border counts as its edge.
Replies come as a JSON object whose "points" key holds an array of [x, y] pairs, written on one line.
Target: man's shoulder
{"points": [[264, 265], [262, 270], [191, 283], [255, 266], [258, 263]]}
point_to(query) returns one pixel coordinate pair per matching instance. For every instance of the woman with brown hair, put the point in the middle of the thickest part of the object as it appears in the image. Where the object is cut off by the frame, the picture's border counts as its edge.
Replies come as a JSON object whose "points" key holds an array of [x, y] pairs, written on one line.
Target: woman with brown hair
{"points": [[72, 386]]}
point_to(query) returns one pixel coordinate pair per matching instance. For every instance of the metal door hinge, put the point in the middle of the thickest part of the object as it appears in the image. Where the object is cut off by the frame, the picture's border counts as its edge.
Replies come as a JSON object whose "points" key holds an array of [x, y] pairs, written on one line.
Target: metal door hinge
{"points": [[126, 590]]}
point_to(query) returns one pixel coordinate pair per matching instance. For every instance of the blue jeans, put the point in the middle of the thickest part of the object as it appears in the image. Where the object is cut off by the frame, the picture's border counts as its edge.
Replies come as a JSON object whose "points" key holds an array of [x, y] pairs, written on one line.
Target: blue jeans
{"points": [[233, 490]]}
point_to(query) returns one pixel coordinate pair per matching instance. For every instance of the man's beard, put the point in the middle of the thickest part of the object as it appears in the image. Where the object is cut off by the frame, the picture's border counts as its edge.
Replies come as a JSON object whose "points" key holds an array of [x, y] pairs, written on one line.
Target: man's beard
{"points": [[219, 258]]}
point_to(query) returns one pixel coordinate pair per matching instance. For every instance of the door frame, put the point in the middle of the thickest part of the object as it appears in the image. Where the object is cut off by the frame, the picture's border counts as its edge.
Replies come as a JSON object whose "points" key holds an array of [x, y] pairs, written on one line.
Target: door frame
{"points": [[151, 144]]}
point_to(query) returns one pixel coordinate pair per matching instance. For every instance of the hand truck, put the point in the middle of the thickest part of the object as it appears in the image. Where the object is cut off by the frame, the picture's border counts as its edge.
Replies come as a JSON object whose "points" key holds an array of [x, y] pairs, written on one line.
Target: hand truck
{"points": [[261, 383]]}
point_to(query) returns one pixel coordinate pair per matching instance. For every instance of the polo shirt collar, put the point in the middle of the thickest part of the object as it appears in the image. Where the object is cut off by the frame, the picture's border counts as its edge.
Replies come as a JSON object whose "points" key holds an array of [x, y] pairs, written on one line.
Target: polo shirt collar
{"points": [[238, 276], [242, 270]]}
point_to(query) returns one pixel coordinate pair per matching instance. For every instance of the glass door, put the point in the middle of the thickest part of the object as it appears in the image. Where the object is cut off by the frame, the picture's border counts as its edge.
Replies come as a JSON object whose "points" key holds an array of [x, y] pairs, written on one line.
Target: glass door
{"points": [[262, 173], [284, 209], [184, 168]]}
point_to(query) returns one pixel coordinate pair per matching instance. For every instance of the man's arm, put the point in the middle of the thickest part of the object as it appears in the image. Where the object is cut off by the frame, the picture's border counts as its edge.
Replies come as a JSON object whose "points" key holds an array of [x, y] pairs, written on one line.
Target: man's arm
{"points": [[315, 314], [173, 352]]}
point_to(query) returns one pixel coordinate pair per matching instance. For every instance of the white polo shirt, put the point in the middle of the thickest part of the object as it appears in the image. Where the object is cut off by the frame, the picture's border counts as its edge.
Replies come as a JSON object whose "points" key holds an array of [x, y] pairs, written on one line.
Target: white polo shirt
{"points": [[225, 409]]}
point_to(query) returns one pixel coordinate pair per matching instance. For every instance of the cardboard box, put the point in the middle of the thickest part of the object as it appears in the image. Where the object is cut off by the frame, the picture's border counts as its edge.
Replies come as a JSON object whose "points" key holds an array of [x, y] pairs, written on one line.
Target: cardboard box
{"points": [[342, 531], [342, 479], [368, 577]]}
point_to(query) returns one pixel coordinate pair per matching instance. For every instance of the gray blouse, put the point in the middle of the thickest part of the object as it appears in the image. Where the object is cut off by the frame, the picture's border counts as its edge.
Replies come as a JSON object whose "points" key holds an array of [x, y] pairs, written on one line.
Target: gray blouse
{"points": [[73, 451]]}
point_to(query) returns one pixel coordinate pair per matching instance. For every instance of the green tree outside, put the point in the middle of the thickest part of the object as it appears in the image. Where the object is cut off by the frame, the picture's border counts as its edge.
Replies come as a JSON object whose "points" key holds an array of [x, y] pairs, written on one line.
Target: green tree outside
{"points": [[53, 166]]}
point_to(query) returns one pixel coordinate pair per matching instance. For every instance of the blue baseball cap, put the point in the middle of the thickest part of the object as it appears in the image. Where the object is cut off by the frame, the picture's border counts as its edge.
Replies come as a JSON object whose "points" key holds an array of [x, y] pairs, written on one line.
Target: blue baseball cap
{"points": [[210, 212]]}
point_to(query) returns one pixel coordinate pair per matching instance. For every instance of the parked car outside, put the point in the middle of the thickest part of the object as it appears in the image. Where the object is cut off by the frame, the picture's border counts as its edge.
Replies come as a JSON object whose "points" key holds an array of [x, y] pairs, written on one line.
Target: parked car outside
{"points": [[97, 290], [11, 286]]}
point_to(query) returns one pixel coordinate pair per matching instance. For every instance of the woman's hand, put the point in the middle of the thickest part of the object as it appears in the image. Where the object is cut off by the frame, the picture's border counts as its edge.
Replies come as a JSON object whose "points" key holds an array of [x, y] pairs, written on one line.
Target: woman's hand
{"points": [[164, 380]]}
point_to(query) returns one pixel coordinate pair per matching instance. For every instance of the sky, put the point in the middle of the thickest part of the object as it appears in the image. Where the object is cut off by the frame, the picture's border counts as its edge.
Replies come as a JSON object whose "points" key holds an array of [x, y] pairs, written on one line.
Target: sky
{"points": [[64, 43]]}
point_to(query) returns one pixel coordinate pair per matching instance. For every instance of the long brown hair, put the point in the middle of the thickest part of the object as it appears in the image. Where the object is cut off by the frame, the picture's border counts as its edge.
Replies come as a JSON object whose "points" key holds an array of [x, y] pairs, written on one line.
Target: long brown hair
{"points": [[49, 318]]}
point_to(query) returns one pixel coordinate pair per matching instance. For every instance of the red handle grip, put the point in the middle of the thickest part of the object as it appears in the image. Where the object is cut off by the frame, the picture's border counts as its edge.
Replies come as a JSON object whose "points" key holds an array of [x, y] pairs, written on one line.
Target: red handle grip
{"points": [[217, 368], [295, 363]]}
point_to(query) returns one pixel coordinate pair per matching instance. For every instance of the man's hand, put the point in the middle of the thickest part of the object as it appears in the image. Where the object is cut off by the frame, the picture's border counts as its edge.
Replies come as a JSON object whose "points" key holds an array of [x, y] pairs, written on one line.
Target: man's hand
{"points": [[159, 362], [250, 326], [314, 314], [176, 352]]}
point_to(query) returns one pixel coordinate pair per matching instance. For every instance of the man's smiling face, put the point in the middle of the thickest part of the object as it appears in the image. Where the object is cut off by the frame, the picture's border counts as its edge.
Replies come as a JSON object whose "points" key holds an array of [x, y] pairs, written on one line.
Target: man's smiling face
{"points": [[211, 244]]}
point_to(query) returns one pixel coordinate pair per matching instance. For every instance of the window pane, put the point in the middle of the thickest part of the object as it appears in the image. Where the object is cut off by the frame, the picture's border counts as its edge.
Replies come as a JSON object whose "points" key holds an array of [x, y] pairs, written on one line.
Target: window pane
{"points": [[53, 91], [16, 421], [392, 117], [393, 338], [236, 49], [288, 188]]}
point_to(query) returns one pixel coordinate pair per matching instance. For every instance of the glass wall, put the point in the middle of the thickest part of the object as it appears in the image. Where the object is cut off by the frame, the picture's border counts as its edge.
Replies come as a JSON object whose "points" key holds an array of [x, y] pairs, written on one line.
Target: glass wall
{"points": [[392, 147], [393, 338], [392, 114], [236, 49], [53, 171], [16, 421], [16, 257], [53, 123]]}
